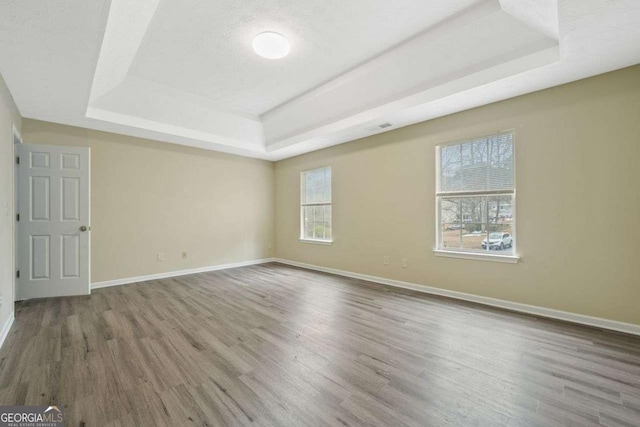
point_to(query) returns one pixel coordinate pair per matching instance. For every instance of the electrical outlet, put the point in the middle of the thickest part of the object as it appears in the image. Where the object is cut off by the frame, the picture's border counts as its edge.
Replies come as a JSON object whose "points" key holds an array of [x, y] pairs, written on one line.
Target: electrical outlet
{"points": [[405, 263], [160, 257], [385, 260], [184, 254]]}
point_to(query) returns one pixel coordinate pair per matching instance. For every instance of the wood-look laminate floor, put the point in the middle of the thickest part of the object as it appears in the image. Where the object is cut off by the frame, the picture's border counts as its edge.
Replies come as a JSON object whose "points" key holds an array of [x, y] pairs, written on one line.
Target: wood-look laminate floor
{"points": [[276, 345]]}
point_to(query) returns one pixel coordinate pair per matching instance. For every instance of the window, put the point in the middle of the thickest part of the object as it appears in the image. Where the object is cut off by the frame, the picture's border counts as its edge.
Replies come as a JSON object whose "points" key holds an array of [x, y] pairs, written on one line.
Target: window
{"points": [[475, 194], [315, 205]]}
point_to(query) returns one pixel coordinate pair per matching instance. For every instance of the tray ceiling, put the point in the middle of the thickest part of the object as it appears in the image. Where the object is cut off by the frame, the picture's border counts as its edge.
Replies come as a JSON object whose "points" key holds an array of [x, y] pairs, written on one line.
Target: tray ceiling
{"points": [[188, 75]]}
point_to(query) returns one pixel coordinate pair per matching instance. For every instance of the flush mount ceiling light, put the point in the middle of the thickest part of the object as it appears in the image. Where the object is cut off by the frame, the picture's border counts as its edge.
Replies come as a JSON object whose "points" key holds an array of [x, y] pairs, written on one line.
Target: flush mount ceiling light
{"points": [[271, 45]]}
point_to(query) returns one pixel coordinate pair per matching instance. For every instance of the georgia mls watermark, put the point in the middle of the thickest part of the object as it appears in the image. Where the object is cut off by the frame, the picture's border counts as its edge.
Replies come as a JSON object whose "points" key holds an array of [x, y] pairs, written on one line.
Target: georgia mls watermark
{"points": [[31, 416]]}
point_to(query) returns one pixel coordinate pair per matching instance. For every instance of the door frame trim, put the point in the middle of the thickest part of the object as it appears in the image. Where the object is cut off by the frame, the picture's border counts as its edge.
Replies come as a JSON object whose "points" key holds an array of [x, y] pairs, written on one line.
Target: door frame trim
{"points": [[16, 137]]}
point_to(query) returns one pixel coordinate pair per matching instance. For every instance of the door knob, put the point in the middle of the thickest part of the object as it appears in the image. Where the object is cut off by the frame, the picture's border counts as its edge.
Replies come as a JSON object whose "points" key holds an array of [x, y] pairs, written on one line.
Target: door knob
{"points": [[85, 228]]}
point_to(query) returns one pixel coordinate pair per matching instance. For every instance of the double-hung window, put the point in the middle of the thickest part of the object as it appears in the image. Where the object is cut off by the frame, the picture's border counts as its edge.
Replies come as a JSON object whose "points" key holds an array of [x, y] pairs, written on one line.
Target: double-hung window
{"points": [[315, 205], [475, 194]]}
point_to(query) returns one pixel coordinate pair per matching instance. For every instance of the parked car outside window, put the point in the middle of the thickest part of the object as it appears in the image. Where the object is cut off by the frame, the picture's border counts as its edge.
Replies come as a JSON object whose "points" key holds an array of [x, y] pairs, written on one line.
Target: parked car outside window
{"points": [[498, 241]]}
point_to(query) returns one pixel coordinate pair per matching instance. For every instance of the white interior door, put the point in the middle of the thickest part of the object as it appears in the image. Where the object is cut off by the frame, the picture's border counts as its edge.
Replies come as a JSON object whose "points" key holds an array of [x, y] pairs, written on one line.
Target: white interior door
{"points": [[54, 223]]}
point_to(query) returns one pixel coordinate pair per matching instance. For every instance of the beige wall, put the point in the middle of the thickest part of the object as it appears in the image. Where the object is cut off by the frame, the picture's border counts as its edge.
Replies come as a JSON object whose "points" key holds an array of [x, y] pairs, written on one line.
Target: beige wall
{"points": [[578, 206], [149, 197], [578, 202], [9, 116]]}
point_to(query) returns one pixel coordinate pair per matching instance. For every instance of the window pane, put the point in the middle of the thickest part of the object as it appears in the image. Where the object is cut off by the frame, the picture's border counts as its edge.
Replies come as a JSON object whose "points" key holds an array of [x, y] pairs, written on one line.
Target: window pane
{"points": [[481, 164], [318, 227], [500, 209], [466, 155], [480, 152], [474, 209], [474, 165], [316, 222], [327, 222], [451, 223], [450, 161], [450, 236], [307, 222], [472, 236], [450, 211], [316, 218], [317, 186], [501, 174]]}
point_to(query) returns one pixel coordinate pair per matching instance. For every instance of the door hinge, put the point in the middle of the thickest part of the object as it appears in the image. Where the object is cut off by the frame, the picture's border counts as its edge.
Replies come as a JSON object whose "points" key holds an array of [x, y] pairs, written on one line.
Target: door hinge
{"points": [[18, 160], [17, 217], [18, 274]]}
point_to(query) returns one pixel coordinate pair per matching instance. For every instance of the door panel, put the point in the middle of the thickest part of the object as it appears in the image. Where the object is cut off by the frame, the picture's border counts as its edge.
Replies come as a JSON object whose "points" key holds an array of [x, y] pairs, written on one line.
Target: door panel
{"points": [[70, 199], [70, 255], [40, 257], [40, 198], [53, 251], [39, 160], [70, 161]]}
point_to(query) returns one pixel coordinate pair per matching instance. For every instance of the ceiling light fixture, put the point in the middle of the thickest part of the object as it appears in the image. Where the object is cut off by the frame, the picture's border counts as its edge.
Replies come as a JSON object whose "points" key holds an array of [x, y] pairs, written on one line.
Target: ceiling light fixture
{"points": [[271, 45]]}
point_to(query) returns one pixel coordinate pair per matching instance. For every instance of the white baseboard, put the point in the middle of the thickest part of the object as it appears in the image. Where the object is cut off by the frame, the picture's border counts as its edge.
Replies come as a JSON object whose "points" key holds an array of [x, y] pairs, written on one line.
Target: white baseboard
{"points": [[127, 280], [6, 328], [597, 322]]}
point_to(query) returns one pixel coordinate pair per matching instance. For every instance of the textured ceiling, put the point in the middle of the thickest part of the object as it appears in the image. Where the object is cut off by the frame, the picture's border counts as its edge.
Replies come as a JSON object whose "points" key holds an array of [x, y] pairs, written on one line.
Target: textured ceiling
{"points": [[209, 44], [185, 73]]}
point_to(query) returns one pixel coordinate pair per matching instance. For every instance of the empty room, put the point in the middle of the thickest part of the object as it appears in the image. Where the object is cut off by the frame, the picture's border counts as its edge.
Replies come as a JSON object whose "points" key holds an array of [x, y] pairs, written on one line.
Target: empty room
{"points": [[319, 213]]}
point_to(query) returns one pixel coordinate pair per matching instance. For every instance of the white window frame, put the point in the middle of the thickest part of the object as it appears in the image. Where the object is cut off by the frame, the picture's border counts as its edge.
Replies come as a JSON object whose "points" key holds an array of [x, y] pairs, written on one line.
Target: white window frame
{"points": [[304, 204], [439, 196]]}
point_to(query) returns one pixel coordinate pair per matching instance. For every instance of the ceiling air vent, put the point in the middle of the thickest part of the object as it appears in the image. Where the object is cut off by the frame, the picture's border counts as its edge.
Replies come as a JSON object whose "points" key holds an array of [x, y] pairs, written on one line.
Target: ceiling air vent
{"points": [[380, 126]]}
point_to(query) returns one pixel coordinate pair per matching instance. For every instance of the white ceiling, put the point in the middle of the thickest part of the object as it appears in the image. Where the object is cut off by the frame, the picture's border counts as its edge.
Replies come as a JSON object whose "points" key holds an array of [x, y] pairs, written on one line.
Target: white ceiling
{"points": [[187, 75], [209, 44]]}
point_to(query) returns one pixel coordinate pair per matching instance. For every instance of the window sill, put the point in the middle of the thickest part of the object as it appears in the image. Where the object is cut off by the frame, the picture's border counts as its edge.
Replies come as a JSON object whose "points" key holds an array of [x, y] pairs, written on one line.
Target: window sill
{"points": [[511, 259], [317, 242]]}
